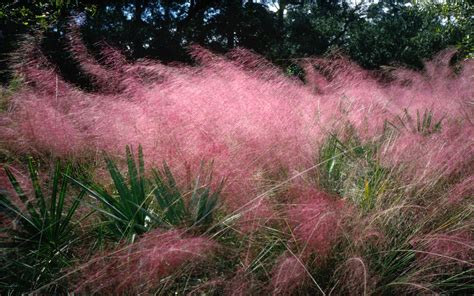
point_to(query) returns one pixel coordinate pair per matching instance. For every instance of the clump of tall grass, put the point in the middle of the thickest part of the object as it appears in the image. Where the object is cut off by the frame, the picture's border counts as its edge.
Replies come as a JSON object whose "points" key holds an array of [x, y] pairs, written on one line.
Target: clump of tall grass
{"points": [[142, 267]]}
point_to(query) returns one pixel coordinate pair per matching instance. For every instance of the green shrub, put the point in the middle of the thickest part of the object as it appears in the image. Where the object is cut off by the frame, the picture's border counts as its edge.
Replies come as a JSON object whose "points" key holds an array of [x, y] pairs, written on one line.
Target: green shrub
{"points": [[173, 208], [125, 210], [350, 169], [424, 124], [131, 210], [40, 244]]}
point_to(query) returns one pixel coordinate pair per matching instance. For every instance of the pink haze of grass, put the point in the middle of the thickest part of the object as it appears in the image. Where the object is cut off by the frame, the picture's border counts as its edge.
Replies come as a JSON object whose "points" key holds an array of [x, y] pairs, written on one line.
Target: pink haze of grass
{"points": [[289, 275], [316, 219], [253, 121], [240, 111], [446, 247], [137, 267]]}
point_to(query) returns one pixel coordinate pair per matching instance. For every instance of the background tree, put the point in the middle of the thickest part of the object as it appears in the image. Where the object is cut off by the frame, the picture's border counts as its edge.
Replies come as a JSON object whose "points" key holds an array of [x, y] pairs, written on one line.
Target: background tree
{"points": [[372, 34]]}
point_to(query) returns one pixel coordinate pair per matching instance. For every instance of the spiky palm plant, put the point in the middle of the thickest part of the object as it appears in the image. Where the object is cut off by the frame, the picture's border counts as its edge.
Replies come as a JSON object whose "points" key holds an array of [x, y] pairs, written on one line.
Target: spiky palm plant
{"points": [[40, 243], [424, 124], [125, 209], [131, 210], [173, 207]]}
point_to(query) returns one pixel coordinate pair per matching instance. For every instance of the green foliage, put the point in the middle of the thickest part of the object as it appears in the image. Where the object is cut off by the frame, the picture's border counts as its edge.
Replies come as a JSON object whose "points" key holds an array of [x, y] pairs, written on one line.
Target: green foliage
{"points": [[7, 92], [456, 25], [406, 34], [424, 124], [349, 168], [333, 156], [314, 30], [38, 14], [40, 243], [129, 210], [126, 208], [173, 208], [372, 34]]}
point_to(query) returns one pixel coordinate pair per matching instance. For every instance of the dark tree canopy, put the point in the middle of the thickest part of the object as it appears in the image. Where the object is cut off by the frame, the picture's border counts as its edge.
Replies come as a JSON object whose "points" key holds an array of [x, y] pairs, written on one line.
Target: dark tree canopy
{"points": [[372, 34]]}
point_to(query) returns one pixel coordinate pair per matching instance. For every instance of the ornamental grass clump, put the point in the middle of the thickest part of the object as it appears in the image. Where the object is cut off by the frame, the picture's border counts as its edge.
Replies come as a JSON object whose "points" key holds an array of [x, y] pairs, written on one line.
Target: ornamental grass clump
{"points": [[316, 218], [143, 266], [289, 275]]}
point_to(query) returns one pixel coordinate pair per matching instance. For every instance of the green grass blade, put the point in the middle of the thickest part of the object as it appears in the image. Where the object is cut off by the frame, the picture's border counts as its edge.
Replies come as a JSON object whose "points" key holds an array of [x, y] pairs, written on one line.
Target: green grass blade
{"points": [[121, 186], [104, 198], [62, 197], [132, 175], [37, 188], [66, 221], [34, 215], [168, 196], [141, 162], [137, 198], [21, 194], [54, 192], [7, 207]]}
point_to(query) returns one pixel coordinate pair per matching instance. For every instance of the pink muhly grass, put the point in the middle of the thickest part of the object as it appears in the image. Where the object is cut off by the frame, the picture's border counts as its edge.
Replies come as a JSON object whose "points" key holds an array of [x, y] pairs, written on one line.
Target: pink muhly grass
{"points": [[457, 248], [289, 275], [240, 284], [425, 158], [354, 278], [237, 110], [462, 190], [139, 267], [212, 112], [109, 80], [436, 88], [316, 221], [48, 129], [354, 96]]}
